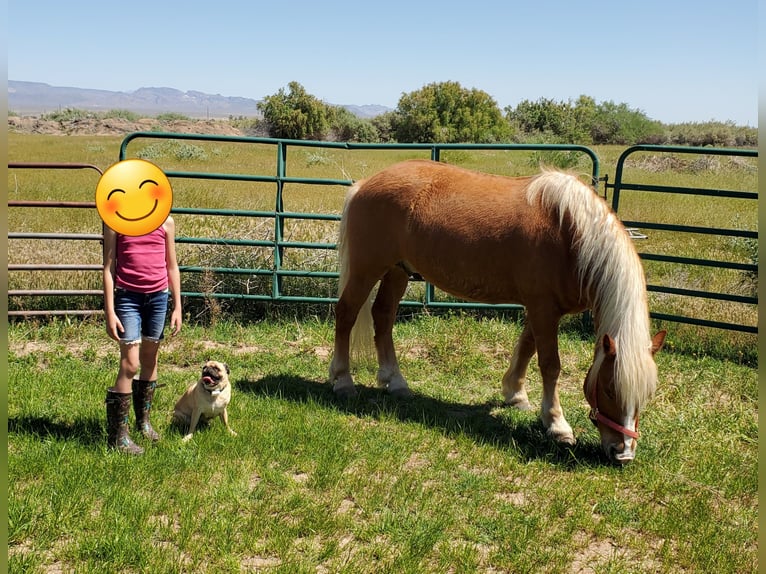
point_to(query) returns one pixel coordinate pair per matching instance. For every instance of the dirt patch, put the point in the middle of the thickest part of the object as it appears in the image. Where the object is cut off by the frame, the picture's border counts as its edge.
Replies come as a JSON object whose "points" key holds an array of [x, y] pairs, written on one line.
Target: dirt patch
{"points": [[590, 559], [118, 126]]}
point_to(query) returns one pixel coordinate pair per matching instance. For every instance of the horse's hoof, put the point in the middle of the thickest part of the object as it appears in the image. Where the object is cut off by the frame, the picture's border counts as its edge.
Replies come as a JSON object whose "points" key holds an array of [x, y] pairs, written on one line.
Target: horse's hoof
{"points": [[520, 404], [345, 393], [401, 393], [517, 399], [566, 439]]}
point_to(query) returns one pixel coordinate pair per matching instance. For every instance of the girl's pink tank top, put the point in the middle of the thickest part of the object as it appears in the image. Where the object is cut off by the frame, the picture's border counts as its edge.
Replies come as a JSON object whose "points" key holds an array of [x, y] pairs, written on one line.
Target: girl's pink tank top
{"points": [[141, 265]]}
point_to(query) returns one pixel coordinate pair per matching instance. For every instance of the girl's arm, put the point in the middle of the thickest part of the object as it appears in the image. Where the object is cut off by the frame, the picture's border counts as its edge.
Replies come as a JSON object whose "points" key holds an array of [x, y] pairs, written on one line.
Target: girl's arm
{"points": [[113, 324], [174, 275]]}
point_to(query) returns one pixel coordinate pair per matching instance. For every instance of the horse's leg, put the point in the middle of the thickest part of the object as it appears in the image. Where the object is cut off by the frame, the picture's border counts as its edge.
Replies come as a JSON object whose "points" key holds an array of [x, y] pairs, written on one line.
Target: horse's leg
{"points": [[351, 300], [546, 338], [391, 290], [514, 389]]}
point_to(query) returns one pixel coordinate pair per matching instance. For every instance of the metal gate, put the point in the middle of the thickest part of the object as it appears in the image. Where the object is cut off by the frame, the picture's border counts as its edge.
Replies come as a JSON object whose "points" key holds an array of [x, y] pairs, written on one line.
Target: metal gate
{"points": [[278, 276], [624, 190], [279, 245], [73, 291], [274, 276]]}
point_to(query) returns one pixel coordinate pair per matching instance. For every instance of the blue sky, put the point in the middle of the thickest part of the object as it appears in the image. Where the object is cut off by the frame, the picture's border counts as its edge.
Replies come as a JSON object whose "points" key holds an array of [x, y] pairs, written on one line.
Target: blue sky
{"points": [[676, 60]]}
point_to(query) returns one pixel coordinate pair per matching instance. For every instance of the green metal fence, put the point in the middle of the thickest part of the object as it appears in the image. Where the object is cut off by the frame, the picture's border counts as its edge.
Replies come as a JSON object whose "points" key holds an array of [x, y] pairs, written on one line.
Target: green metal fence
{"points": [[622, 188], [279, 244], [276, 277]]}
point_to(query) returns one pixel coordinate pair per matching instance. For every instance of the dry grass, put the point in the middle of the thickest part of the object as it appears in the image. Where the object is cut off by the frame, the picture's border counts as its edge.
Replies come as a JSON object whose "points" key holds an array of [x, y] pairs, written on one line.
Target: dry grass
{"points": [[237, 158]]}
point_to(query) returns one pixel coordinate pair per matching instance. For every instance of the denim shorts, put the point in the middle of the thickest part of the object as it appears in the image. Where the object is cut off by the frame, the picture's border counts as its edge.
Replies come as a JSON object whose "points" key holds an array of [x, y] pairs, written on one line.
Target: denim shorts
{"points": [[142, 314]]}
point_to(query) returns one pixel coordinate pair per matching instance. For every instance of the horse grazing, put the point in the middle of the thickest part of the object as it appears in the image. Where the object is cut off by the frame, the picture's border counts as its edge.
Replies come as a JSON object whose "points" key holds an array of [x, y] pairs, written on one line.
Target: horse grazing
{"points": [[548, 242]]}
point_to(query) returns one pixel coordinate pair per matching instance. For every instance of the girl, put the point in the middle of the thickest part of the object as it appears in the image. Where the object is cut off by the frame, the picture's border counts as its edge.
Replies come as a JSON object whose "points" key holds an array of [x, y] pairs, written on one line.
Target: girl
{"points": [[140, 274]]}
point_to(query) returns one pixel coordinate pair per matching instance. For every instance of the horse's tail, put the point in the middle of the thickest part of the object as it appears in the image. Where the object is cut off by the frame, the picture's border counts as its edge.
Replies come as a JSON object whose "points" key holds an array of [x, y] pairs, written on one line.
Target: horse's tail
{"points": [[362, 337]]}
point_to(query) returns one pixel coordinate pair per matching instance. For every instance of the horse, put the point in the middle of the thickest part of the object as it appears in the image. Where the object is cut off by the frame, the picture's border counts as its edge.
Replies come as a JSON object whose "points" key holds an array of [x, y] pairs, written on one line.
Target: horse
{"points": [[548, 242]]}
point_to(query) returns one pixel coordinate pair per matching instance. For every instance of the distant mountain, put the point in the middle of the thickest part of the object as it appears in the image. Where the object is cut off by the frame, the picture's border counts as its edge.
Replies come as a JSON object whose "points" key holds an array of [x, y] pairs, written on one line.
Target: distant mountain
{"points": [[366, 111], [34, 98]]}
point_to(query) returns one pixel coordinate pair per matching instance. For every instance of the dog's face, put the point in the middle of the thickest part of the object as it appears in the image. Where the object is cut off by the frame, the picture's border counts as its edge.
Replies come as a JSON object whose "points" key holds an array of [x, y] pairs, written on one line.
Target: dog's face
{"points": [[215, 375]]}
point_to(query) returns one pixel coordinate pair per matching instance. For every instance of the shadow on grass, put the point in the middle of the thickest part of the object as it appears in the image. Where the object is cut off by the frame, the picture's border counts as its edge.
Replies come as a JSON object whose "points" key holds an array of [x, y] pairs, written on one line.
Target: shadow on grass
{"points": [[85, 431], [489, 423]]}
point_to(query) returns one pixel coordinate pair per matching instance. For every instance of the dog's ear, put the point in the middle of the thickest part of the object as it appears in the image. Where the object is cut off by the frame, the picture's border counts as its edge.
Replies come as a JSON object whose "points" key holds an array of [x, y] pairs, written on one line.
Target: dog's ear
{"points": [[228, 372]]}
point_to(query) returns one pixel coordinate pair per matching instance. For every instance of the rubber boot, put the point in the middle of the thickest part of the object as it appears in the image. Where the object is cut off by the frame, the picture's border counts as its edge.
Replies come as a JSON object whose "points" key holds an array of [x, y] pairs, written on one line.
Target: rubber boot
{"points": [[117, 410], [143, 394]]}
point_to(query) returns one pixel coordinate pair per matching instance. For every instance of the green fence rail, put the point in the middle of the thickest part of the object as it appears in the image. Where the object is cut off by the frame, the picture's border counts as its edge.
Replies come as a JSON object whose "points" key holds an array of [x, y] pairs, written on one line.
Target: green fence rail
{"points": [[280, 178], [620, 188], [273, 275]]}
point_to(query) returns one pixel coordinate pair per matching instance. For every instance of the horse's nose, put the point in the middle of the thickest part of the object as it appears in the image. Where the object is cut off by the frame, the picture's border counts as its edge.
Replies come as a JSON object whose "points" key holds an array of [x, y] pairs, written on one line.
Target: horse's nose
{"points": [[621, 453]]}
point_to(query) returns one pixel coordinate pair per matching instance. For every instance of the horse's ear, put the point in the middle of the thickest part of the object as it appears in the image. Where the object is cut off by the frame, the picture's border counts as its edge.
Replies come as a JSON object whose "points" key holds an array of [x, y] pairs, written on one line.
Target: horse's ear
{"points": [[609, 346], [658, 340]]}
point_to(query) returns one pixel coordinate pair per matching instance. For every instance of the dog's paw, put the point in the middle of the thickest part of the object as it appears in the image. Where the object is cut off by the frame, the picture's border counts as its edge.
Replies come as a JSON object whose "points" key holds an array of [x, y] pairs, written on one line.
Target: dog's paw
{"points": [[187, 438], [232, 433]]}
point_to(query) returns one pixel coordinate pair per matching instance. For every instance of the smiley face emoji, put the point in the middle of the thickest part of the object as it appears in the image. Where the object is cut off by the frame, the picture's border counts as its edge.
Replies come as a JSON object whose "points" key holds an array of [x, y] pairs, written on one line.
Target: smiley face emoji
{"points": [[133, 197]]}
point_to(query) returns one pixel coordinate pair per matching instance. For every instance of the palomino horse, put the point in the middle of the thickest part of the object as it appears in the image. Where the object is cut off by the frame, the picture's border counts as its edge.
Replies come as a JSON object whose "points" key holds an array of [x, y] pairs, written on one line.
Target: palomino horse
{"points": [[548, 242]]}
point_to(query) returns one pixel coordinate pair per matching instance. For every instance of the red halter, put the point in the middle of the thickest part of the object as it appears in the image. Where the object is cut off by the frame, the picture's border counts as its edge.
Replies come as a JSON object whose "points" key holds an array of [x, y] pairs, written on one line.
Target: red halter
{"points": [[596, 416]]}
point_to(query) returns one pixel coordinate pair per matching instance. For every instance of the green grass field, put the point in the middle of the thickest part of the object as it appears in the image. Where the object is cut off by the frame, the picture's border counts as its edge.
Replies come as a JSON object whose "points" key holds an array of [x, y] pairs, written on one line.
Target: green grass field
{"points": [[449, 481]]}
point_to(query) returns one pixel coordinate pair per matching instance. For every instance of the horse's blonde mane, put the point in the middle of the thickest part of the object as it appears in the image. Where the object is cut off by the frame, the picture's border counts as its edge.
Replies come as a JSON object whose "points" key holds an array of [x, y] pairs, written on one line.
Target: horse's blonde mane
{"points": [[610, 270]]}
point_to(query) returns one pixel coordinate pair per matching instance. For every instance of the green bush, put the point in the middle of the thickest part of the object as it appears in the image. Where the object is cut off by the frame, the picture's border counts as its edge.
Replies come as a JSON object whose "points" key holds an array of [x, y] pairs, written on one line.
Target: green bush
{"points": [[347, 127], [172, 117], [122, 115], [68, 115], [717, 134], [619, 124], [295, 114], [448, 113]]}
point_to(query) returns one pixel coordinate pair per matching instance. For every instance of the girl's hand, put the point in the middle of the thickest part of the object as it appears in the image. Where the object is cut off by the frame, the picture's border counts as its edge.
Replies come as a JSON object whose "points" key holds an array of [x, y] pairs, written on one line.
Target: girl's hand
{"points": [[114, 326], [175, 322]]}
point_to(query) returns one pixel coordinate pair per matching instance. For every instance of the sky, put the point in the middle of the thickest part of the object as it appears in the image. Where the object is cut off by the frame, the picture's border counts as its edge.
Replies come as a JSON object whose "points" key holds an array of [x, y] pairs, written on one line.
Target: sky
{"points": [[675, 60]]}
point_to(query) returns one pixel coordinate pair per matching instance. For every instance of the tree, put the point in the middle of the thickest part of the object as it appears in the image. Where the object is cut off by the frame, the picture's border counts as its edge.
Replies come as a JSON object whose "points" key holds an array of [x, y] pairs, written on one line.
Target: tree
{"points": [[619, 124], [385, 125], [585, 111], [448, 113], [584, 122], [295, 115], [347, 127], [548, 119]]}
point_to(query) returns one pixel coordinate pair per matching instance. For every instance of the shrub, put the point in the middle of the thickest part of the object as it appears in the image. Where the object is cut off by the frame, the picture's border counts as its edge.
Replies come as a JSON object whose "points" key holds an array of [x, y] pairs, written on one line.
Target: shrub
{"points": [[295, 114], [448, 113], [122, 115], [68, 115], [718, 134], [345, 126], [172, 117]]}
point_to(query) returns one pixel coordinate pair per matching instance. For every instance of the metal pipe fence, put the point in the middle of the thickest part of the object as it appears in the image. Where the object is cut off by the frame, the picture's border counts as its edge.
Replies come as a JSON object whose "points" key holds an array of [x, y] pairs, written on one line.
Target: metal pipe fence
{"points": [[622, 187], [274, 275]]}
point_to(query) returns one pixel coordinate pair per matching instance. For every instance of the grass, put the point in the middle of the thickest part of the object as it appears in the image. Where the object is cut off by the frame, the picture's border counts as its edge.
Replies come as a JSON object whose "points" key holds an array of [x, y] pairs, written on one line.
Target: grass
{"points": [[449, 481]]}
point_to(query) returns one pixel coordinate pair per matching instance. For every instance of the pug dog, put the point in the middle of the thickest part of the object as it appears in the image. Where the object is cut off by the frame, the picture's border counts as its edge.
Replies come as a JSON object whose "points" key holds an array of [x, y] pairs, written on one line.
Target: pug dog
{"points": [[206, 399]]}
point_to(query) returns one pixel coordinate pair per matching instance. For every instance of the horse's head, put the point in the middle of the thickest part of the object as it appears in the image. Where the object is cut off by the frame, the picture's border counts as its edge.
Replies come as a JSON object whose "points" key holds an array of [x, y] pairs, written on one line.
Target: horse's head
{"points": [[615, 403]]}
